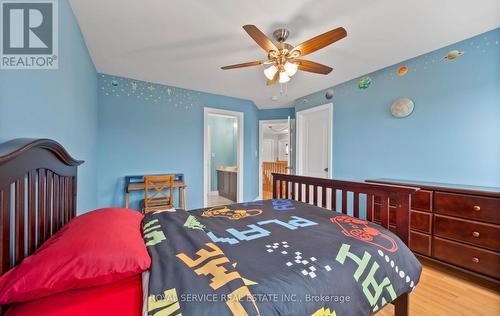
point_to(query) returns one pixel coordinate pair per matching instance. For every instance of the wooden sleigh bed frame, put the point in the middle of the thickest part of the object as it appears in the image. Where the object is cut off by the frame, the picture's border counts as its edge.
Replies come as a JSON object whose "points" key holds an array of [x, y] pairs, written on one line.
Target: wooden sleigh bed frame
{"points": [[38, 194]]}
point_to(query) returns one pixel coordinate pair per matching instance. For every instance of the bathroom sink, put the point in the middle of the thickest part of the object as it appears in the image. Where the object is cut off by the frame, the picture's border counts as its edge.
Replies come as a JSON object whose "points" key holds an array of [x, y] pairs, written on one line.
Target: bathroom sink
{"points": [[228, 168]]}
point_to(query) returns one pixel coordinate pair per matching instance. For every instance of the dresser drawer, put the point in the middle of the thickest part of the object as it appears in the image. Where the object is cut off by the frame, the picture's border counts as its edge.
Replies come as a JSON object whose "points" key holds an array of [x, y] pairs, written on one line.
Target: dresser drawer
{"points": [[392, 213], [421, 221], [376, 199], [479, 234], [422, 201], [468, 206], [420, 243], [472, 258]]}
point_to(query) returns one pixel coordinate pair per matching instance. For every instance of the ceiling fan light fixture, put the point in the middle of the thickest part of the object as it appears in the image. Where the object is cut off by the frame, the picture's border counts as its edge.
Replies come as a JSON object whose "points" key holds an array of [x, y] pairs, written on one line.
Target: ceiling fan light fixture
{"points": [[291, 68], [284, 78], [281, 56], [270, 72]]}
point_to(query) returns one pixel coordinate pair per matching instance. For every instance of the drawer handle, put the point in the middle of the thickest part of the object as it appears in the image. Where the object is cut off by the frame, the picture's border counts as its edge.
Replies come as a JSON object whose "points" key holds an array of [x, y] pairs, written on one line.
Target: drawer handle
{"points": [[475, 234], [477, 208], [475, 260]]}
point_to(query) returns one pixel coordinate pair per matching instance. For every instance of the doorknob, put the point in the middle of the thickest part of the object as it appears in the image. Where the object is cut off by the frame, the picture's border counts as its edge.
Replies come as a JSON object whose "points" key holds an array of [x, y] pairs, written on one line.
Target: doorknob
{"points": [[325, 170]]}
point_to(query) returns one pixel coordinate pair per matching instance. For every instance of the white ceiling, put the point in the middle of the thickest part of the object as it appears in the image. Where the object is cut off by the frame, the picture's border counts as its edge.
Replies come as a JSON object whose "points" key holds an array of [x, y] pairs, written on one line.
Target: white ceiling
{"points": [[273, 129], [185, 42]]}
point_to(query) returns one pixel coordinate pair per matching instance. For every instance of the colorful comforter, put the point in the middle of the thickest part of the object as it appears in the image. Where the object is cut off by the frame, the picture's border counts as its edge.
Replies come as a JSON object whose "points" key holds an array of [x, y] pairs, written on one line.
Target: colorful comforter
{"points": [[273, 257]]}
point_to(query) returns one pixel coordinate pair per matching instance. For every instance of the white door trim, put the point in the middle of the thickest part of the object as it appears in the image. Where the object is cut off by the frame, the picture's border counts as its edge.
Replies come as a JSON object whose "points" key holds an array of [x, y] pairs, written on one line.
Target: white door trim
{"points": [[206, 154], [299, 150], [261, 137]]}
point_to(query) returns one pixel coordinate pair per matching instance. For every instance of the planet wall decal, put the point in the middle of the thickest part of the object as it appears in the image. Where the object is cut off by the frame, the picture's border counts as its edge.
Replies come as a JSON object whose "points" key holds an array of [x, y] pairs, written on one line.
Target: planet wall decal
{"points": [[402, 107], [453, 54], [329, 94], [364, 83], [403, 70]]}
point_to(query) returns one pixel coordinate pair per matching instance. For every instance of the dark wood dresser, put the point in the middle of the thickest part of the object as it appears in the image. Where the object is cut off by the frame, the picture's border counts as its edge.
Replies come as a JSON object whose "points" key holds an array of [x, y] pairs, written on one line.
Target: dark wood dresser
{"points": [[457, 225]]}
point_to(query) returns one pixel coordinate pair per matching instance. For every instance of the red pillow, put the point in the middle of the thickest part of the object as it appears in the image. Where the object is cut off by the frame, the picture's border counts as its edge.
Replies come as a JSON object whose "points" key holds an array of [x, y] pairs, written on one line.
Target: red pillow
{"points": [[122, 298], [96, 248]]}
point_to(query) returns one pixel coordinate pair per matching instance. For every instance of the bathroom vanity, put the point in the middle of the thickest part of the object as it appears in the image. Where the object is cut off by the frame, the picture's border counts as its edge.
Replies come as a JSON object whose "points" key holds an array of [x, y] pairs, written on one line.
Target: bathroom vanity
{"points": [[227, 182]]}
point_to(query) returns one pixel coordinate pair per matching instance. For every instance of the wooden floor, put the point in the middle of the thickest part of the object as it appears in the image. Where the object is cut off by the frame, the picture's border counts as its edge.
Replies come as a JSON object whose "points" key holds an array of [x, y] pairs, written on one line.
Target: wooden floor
{"points": [[442, 292], [266, 195]]}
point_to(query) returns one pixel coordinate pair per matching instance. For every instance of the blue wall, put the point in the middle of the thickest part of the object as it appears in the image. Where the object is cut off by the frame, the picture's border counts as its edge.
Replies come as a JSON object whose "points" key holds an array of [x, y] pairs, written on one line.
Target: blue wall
{"points": [[224, 145], [59, 104], [119, 126], [453, 134], [276, 114], [147, 128]]}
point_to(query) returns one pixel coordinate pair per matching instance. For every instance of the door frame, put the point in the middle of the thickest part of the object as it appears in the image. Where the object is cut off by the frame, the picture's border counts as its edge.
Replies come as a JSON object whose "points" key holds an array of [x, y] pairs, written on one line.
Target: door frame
{"points": [[299, 116], [239, 151], [261, 137]]}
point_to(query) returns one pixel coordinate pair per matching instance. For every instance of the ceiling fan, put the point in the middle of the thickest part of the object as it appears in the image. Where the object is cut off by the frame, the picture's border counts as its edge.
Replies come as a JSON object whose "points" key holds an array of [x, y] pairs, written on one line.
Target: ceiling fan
{"points": [[283, 57]]}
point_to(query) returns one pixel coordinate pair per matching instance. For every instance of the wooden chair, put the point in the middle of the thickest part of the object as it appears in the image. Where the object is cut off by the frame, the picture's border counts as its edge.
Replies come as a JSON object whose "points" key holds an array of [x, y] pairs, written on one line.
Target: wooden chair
{"points": [[158, 193]]}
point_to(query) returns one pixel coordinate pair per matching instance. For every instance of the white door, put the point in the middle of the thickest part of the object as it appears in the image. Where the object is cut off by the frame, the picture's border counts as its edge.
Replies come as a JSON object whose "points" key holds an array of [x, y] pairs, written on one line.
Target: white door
{"points": [[314, 142], [291, 146], [268, 150], [282, 150], [208, 162]]}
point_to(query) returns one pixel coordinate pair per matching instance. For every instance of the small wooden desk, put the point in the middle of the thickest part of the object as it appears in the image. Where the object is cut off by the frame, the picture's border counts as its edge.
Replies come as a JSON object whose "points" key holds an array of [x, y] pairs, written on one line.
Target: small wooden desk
{"points": [[136, 183]]}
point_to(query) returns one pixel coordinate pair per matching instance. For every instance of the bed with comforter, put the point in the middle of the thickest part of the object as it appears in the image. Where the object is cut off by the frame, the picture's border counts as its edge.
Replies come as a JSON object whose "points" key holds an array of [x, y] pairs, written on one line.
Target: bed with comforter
{"points": [[273, 257]]}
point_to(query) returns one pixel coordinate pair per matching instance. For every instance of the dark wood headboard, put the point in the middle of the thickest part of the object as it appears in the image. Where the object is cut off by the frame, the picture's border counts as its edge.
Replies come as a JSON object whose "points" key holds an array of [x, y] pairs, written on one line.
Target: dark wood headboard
{"points": [[37, 195]]}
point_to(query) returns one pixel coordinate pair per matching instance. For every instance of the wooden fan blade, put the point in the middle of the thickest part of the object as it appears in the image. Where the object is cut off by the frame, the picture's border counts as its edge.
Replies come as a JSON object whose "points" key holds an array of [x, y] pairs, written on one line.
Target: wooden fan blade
{"points": [[321, 41], [249, 64], [260, 38], [274, 80], [310, 66]]}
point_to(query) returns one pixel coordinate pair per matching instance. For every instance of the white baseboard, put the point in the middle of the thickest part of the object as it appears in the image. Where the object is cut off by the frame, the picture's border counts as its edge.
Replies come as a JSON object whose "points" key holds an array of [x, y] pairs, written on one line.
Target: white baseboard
{"points": [[213, 193]]}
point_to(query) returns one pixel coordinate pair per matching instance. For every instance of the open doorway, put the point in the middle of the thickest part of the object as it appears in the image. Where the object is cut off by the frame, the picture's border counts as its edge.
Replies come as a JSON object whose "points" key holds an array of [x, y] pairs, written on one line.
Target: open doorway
{"points": [[276, 152], [223, 157]]}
